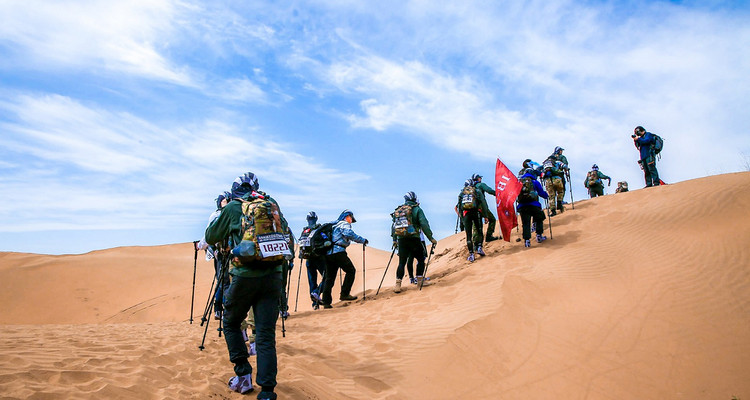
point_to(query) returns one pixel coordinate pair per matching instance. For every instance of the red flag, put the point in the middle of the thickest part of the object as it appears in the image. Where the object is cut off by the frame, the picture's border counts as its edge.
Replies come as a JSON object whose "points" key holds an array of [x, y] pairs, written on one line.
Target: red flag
{"points": [[507, 188]]}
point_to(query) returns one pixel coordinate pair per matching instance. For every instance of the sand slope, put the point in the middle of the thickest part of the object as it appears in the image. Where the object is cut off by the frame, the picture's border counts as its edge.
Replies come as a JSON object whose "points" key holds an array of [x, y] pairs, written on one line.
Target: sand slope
{"points": [[640, 295]]}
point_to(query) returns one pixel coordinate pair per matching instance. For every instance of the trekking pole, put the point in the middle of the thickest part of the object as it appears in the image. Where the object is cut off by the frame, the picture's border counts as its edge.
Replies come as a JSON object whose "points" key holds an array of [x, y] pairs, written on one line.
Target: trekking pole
{"points": [[299, 278], [458, 218], [572, 202], [211, 292], [210, 307], [195, 266], [424, 276], [386, 269], [549, 219], [364, 282], [220, 286]]}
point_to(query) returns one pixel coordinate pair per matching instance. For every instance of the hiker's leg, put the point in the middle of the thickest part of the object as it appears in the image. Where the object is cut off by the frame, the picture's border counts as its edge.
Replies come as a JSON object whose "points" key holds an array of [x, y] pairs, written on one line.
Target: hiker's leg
{"points": [[403, 257], [266, 314], [349, 272], [330, 278], [239, 298], [525, 223], [468, 224]]}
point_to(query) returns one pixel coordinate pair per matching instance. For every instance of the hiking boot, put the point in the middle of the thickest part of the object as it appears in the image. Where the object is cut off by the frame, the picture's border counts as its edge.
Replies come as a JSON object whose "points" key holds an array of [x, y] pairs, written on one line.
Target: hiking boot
{"points": [[540, 238], [251, 349], [423, 282], [284, 314], [471, 257], [217, 315], [553, 213], [316, 297], [527, 243], [244, 335], [413, 281], [480, 251], [241, 384], [326, 305], [266, 396], [490, 238], [347, 297], [397, 288]]}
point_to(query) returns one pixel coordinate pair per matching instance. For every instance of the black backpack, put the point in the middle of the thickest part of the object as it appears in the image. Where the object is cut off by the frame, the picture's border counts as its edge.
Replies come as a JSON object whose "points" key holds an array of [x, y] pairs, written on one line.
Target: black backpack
{"points": [[305, 249], [658, 144], [528, 192], [321, 239]]}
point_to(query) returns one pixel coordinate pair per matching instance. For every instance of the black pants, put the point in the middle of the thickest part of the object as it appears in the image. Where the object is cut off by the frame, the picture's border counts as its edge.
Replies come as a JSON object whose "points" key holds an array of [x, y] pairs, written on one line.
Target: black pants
{"points": [[333, 263], [596, 190], [410, 247], [527, 213], [315, 266], [262, 294], [471, 219]]}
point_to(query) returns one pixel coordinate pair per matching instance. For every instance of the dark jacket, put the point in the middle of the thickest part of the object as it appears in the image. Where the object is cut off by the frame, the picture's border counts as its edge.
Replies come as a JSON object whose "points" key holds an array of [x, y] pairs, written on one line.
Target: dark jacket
{"points": [[644, 144]]}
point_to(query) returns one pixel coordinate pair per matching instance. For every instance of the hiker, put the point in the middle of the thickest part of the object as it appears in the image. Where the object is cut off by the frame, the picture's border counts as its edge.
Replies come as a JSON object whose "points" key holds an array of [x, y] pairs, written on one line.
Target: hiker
{"points": [[316, 264], [484, 209], [468, 209], [214, 254], [553, 173], [337, 258], [408, 220], [593, 182], [529, 207], [621, 187], [253, 225], [644, 142]]}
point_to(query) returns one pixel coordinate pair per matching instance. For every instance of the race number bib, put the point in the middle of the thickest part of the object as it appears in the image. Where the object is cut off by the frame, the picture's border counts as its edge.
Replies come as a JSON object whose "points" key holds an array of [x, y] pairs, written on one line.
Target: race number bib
{"points": [[304, 241], [273, 244], [401, 222], [467, 199]]}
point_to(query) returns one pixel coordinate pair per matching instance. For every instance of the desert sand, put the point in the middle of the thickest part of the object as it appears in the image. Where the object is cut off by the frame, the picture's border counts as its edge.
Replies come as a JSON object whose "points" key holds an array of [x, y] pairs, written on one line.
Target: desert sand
{"points": [[638, 295]]}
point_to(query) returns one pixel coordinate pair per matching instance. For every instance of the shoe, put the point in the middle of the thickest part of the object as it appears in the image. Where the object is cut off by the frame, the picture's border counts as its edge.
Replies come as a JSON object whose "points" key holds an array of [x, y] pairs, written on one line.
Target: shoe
{"points": [[326, 305], [553, 213], [316, 297], [397, 288], [266, 396], [251, 349], [217, 315], [422, 282], [413, 281], [244, 335], [480, 251], [471, 257], [527, 243], [540, 238], [347, 297], [241, 384], [284, 314], [490, 238]]}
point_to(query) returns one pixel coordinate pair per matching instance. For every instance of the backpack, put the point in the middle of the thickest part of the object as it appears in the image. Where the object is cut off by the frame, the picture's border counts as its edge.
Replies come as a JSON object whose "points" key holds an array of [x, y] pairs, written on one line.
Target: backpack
{"points": [[657, 145], [305, 249], [402, 221], [528, 192], [321, 239], [469, 198], [593, 178], [263, 238]]}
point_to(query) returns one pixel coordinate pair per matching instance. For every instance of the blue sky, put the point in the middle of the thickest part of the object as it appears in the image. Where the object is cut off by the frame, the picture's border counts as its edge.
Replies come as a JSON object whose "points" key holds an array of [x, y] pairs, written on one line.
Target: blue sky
{"points": [[120, 122]]}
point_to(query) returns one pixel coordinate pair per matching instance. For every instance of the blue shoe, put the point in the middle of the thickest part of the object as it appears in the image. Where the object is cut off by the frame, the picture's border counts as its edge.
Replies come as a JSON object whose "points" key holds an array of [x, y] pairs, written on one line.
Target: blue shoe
{"points": [[540, 238], [527, 243], [471, 257], [480, 251], [242, 384]]}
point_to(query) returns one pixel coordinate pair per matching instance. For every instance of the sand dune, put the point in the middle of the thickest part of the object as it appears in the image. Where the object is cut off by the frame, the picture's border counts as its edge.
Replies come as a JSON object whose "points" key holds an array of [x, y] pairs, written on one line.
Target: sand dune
{"points": [[639, 295]]}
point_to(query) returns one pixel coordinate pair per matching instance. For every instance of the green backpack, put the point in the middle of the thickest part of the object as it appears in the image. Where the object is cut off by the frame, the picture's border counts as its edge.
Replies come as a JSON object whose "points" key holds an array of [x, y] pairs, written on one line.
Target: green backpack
{"points": [[528, 192], [263, 238]]}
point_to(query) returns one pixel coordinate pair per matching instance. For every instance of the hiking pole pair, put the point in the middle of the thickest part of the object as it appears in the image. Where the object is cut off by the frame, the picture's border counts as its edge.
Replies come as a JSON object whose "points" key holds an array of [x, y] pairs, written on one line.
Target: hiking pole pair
{"points": [[210, 305], [195, 266], [424, 274], [386, 268]]}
